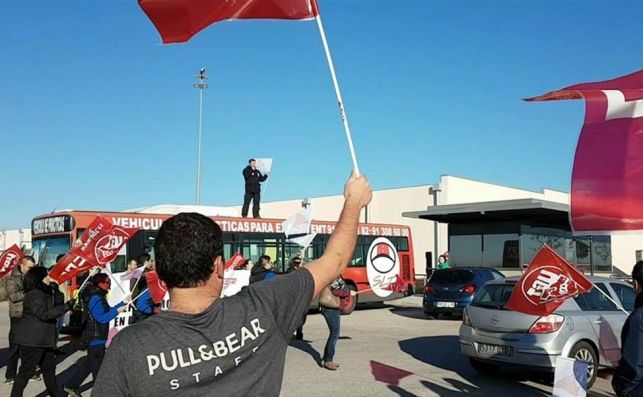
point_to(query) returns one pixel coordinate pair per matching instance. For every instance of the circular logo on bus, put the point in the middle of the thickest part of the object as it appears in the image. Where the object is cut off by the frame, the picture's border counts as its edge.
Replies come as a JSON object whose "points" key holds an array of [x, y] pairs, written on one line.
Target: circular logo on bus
{"points": [[382, 266], [382, 255]]}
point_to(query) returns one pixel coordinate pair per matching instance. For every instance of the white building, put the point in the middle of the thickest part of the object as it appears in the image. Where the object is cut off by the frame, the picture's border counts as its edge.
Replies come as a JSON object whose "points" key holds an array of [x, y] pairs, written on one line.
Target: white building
{"points": [[21, 237]]}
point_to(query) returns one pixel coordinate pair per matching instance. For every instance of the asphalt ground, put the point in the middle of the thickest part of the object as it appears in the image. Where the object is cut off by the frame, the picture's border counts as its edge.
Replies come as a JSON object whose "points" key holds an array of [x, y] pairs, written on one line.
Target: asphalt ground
{"points": [[384, 350]]}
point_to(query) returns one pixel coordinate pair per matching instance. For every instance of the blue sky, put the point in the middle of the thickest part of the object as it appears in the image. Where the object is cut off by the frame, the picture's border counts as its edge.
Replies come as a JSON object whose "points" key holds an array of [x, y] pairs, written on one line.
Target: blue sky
{"points": [[96, 114]]}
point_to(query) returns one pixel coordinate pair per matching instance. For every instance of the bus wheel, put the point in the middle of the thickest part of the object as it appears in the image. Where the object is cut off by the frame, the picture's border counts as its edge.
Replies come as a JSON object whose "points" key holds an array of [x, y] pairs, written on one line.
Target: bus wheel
{"points": [[350, 309]]}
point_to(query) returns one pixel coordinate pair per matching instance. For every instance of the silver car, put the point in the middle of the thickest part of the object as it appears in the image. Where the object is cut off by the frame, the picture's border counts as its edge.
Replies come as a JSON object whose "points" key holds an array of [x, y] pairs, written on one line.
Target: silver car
{"points": [[587, 327]]}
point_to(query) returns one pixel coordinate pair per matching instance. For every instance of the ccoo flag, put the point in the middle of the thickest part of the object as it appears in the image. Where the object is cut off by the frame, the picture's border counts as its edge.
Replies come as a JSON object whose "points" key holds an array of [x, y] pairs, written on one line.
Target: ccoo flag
{"points": [[607, 193], [98, 245], [178, 20], [157, 287], [10, 259], [546, 284]]}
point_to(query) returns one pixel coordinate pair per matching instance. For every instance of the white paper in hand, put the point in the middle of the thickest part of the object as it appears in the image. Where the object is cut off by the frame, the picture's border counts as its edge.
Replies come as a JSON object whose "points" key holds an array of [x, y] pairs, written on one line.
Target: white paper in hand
{"points": [[264, 165]]}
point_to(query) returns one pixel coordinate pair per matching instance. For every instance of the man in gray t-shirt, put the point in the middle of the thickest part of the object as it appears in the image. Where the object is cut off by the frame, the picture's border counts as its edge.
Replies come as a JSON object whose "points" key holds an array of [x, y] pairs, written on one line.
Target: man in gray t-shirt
{"points": [[206, 345]]}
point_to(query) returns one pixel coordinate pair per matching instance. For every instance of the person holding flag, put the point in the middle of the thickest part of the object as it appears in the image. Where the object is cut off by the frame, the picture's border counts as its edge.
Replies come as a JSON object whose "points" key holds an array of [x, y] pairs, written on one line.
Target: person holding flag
{"points": [[628, 377], [36, 334], [16, 295], [96, 317], [244, 337]]}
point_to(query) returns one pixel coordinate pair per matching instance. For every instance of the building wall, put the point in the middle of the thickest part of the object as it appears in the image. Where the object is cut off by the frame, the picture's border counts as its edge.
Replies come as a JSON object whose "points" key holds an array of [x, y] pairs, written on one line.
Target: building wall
{"points": [[624, 247], [21, 237], [388, 205]]}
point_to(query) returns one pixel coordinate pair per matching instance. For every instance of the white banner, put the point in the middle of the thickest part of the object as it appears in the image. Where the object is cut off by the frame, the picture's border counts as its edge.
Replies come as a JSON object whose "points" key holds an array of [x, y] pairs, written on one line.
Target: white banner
{"points": [[264, 165], [298, 223], [234, 280], [570, 378], [303, 241], [382, 266]]}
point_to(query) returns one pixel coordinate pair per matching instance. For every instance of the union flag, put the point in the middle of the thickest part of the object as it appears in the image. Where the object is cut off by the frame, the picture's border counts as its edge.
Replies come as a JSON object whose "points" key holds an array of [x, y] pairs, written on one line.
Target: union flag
{"points": [[546, 284]]}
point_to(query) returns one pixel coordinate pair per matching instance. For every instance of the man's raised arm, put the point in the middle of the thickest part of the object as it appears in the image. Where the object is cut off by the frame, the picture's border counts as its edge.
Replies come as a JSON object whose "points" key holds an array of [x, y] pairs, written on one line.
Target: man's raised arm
{"points": [[357, 194]]}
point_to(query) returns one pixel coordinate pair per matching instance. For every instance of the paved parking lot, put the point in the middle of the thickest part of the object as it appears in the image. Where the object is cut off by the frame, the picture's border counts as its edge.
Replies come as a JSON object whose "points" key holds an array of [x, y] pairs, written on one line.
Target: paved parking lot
{"points": [[386, 350]]}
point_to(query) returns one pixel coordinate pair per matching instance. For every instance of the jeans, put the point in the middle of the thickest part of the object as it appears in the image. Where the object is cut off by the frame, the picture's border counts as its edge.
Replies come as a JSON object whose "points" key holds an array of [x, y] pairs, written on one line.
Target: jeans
{"points": [[256, 198], [14, 354], [30, 357], [89, 364], [332, 320]]}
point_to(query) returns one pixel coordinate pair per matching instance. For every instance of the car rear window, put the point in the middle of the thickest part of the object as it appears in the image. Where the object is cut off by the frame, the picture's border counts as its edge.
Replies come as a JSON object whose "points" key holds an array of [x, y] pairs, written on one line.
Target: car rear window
{"points": [[452, 276], [493, 296]]}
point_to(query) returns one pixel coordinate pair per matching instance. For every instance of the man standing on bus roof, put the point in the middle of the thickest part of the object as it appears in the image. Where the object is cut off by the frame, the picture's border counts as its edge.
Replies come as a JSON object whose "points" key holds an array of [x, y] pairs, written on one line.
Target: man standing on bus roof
{"points": [[253, 178], [207, 345]]}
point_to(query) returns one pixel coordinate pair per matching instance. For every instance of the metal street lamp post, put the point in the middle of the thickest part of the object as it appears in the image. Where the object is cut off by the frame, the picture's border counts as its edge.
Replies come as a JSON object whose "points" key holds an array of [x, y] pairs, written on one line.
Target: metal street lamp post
{"points": [[201, 85]]}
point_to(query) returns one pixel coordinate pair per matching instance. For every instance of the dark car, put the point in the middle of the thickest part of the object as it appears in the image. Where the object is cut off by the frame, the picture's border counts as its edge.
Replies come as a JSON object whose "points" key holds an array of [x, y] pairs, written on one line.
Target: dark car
{"points": [[451, 290]]}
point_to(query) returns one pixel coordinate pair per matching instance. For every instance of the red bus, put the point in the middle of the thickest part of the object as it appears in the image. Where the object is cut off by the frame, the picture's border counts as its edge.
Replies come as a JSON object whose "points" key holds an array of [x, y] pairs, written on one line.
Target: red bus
{"points": [[53, 234]]}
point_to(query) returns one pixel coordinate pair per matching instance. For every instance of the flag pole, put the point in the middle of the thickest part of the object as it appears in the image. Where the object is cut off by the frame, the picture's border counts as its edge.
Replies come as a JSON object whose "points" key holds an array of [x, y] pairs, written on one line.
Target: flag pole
{"points": [[340, 102], [611, 300]]}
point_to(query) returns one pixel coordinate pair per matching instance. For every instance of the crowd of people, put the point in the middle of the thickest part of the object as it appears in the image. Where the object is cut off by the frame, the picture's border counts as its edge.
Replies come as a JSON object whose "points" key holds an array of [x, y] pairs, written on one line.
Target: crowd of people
{"points": [[244, 333], [204, 344]]}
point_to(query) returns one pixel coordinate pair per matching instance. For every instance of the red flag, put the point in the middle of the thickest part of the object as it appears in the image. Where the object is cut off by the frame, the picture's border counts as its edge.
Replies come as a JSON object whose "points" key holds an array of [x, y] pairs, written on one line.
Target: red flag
{"points": [[546, 284], [387, 374], [98, 245], [156, 286], [178, 20], [10, 259], [235, 261], [607, 193]]}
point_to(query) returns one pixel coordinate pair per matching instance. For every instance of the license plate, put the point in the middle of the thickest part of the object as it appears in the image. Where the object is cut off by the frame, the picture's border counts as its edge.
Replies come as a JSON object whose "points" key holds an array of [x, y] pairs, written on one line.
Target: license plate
{"points": [[445, 304], [494, 349]]}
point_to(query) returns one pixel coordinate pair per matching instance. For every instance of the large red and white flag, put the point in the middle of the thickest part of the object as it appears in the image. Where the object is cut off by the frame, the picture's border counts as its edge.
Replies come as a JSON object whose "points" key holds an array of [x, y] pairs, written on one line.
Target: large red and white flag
{"points": [[98, 245], [607, 188], [178, 20], [546, 284], [156, 286], [10, 259]]}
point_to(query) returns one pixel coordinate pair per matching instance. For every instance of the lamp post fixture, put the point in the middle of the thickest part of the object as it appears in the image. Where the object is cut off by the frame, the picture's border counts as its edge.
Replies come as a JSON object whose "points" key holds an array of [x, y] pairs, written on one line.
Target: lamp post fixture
{"points": [[201, 85]]}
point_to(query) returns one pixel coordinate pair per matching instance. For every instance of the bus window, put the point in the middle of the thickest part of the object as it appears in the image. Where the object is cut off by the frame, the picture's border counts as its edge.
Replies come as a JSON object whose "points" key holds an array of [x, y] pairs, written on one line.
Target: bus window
{"points": [[358, 257], [46, 250], [402, 244], [254, 246]]}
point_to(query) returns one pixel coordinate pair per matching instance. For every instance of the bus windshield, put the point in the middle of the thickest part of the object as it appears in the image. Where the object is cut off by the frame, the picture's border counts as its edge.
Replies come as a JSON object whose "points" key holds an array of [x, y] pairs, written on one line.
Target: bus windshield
{"points": [[46, 250]]}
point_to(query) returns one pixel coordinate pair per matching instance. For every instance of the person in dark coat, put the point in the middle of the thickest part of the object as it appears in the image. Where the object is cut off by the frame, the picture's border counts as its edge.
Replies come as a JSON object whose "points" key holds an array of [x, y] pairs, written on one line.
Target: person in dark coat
{"points": [[262, 270], [16, 294], [37, 334], [628, 377], [96, 317], [253, 178]]}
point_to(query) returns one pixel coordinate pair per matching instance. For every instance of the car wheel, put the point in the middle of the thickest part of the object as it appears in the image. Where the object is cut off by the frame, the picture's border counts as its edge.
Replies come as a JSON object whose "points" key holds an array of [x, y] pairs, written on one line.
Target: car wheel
{"points": [[484, 368], [354, 304], [583, 351]]}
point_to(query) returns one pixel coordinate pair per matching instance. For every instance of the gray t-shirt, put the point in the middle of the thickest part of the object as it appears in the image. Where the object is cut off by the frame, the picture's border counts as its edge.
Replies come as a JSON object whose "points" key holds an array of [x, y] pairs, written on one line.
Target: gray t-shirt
{"points": [[237, 347]]}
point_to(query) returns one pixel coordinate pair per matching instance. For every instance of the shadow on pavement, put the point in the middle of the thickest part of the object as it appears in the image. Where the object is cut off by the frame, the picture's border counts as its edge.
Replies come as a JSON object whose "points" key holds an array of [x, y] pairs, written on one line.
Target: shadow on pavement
{"points": [[416, 312], [304, 346], [444, 352]]}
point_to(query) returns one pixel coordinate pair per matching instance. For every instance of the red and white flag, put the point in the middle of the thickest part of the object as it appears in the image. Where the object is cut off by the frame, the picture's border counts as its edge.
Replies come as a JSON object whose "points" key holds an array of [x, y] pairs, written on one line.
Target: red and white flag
{"points": [[178, 20], [546, 284], [607, 192], [235, 261], [156, 286], [98, 245], [10, 259]]}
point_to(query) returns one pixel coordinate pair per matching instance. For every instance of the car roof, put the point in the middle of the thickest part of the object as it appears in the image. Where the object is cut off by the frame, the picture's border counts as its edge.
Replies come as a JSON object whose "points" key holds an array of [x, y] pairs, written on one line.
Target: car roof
{"points": [[593, 279]]}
